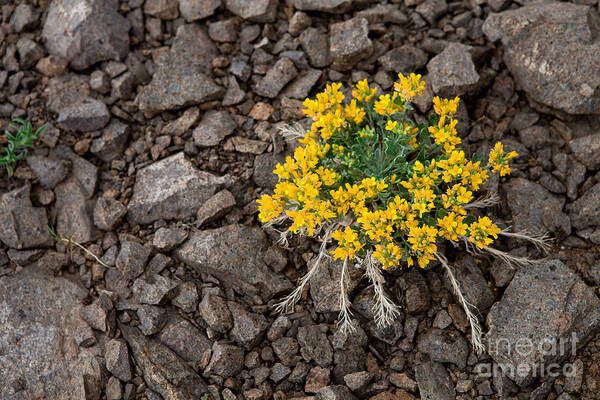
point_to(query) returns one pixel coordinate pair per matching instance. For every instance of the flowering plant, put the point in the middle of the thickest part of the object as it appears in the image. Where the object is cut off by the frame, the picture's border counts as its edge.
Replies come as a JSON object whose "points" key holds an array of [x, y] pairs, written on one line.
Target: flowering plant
{"points": [[386, 189]]}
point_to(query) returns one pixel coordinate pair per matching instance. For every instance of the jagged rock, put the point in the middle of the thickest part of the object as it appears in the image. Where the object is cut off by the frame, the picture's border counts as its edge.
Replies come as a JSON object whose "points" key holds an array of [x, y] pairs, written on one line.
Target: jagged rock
{"points": [[226, 361], [108, 213], [163, 9], [194, 10], [349, 42], [329, 6], [214, 127], [547, 306], [86, 31], [117, 359], [585, 211], [473, 284], [154, 289], [276, 78], [187, 297], [132, 259], [111, 144], [301, 87], [587, 150], [213, 310], [170, 189], [445, 346], [338, 392], [164, 372], [386, 13], [49, 171], [88, 115], [185, 339], [314, 345], [405, 59], [39, 313], [552, 51], [152, 319], [264, 164], [215, 207], [434, 382], [23, 226], [183, 76], [29, 52], [316, 46], [24, 18], [452, 72], [248, 328], [165, 239], [65, 90], [254, 10], [233, 254], [535, 209]]}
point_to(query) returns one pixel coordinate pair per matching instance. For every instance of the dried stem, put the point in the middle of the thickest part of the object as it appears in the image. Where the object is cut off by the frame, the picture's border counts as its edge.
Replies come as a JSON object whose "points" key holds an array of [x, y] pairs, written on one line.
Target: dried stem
{"points": [[344, 320], [542, 242], [384, 309], [292, 132], [490, 199], [288, 302], [475, 327]]}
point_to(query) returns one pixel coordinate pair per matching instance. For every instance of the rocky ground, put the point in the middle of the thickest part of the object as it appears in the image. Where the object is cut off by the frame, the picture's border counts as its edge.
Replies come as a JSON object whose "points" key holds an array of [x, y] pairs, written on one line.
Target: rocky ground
{"points": [[163, 121]]}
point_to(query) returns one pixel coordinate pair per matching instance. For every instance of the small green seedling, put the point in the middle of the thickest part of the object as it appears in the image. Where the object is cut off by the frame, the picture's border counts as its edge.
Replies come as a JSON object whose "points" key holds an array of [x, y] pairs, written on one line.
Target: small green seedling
{"points": [[18, 144]]}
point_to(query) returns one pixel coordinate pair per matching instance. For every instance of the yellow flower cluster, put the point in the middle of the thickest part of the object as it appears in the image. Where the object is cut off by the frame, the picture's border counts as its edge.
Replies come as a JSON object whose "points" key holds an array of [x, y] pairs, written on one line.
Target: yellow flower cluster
{"points": [[393, 189]]}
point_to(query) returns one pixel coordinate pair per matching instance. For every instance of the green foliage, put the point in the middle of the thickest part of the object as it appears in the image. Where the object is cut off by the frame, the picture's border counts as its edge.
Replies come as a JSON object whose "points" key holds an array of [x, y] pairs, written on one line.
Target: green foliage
{"points": [[19, 143]]}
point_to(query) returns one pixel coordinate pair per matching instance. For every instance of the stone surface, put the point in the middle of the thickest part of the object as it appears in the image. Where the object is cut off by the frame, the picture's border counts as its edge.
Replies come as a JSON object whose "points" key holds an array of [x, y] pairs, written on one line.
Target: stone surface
{"points": [[152, 319], [165, 239], [163, 371], [233, 254], [405, 59], [189, 342], [214, 311], [108, 213], [445, 346], [473, 284], [585, 211], [248, 328], [226, 360], [349, 42], [324, 286], [117, 359], [183, 75], [194, 10], [587, 150], [552, 51], [111, 144], [549, 311], [170, 189], [452, 72], [132, 259], [276, 78], [65, 90], [154, 289], [316, 46], [338, 392], [314, 345], [24, 18], [39, 312], [264, 164], [187, 297], [535, 209], [214, 127], [88, 115], [23, 226], [86, 31], [434, 382], [254, 10], [29, 52], [163, 9], [215, 207], [49, 171], [329, 6]]}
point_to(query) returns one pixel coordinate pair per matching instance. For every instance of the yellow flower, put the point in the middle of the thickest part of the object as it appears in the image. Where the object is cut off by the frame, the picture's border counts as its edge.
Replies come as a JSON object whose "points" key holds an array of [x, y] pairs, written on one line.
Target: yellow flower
{"points": [[391, 125], [481, 230], [409, 86], [389, 255], [451, 227], [354, 113], [385, 105], [499, 160], [363, 92], [348, 244], [445, 106], [268, 208], [423, 243]]}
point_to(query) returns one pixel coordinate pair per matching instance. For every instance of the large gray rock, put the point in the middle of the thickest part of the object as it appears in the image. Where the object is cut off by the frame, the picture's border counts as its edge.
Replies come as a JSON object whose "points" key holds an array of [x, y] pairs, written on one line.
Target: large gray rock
{"points": [[329, 6], [234, 254], [545, 305], [183, 76], [585, 211], [23, 226], [452, 72], [434, 382], [535, 209], [163, 370], [170, 188], [86, 31], [553, 52], [349, 42], [254, 10], [39, 314]]}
